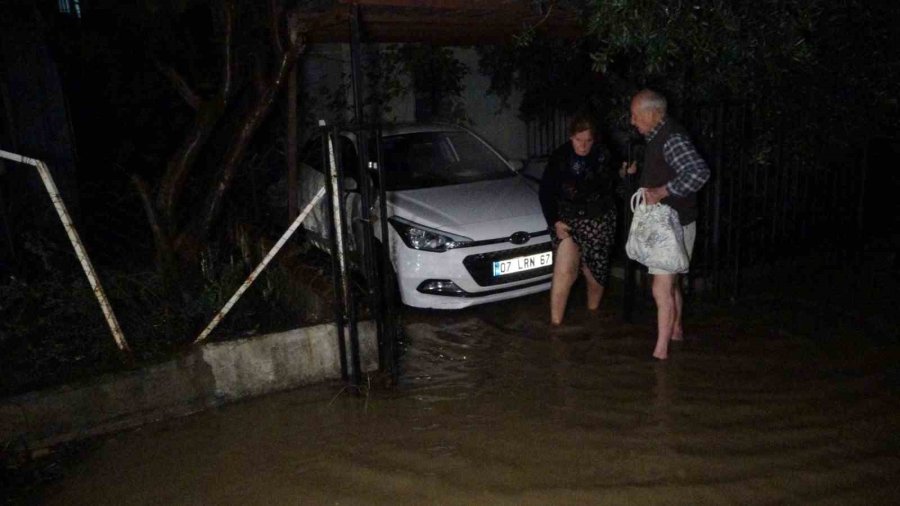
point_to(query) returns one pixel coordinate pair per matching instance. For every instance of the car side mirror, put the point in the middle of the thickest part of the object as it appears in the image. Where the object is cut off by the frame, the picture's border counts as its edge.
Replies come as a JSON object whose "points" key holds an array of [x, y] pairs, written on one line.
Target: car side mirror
{"points": [[517, 165]]}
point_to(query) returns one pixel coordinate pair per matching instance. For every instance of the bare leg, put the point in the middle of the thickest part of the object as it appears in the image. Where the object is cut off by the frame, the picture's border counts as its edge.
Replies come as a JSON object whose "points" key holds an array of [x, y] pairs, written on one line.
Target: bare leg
{"points": [[594, 289], [565, 271], [677, 330], [663, 294]]}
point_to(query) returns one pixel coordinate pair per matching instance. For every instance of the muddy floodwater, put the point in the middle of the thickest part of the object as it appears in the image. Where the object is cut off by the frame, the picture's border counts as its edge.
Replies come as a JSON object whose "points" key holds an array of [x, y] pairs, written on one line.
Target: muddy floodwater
{"points": [[495, 408]]}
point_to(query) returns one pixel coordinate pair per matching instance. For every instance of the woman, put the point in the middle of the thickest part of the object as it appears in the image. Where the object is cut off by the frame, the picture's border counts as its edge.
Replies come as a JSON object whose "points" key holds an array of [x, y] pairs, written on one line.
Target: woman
{"points": [[578, 199]]}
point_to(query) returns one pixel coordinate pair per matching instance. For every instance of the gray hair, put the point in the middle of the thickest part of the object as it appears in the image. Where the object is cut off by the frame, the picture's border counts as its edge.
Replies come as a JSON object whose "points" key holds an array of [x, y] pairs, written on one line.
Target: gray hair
{"points": [[649, 99]]}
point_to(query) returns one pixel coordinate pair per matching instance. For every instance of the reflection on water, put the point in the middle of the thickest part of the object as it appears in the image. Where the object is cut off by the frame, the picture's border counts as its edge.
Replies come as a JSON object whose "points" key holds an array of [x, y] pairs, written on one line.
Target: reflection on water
{"points": [[495, 408]]}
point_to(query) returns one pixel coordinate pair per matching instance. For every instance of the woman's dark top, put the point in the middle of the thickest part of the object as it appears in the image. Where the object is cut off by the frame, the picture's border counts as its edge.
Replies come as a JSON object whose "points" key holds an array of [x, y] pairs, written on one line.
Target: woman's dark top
{"points": [[578, 186]]}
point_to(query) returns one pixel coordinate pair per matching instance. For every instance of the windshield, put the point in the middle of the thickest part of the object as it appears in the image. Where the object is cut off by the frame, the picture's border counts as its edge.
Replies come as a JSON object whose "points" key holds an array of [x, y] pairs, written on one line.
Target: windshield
{"points": [[428, 159]]}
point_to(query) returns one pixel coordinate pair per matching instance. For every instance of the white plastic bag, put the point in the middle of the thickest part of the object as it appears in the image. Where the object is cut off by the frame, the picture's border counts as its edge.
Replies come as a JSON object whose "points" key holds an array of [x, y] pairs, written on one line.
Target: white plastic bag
{"points": [[656, 238]]}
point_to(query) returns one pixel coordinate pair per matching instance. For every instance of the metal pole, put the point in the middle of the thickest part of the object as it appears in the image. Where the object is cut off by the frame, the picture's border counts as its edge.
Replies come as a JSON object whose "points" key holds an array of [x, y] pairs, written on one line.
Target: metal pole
{"points": [[861, 206], [717, 209], [362, 155], [336, 176], [328, 156], [262, 265], [80, 252], [387, 285], [744, 224], [628, 293], [291, 143], [364, 184], [734, 192]]}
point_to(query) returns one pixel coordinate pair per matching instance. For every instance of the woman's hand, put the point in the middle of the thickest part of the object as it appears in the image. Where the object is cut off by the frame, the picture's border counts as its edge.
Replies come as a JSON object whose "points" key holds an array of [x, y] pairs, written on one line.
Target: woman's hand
{"points": [[654, 195], [627, 169], [562, 230]]}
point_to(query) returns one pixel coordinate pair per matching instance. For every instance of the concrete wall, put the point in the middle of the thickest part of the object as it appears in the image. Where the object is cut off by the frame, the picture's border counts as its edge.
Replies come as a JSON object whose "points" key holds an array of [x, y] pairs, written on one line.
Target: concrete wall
{"points": [[209, 376]]}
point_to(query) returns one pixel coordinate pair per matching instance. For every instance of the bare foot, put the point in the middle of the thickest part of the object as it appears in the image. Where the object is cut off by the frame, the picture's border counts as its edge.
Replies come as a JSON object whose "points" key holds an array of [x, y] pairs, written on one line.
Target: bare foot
{"points": [[678, 335], [661, 351]]}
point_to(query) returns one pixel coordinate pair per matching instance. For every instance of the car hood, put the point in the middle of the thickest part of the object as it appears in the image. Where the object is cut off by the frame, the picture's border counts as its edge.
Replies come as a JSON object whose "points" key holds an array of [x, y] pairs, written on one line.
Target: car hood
{"points": [[483, 210]]}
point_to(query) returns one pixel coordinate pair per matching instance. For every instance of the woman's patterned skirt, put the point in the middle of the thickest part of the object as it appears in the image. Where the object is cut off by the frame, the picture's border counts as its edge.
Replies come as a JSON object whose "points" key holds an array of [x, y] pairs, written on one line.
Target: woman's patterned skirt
{"points": [[595, 238]]}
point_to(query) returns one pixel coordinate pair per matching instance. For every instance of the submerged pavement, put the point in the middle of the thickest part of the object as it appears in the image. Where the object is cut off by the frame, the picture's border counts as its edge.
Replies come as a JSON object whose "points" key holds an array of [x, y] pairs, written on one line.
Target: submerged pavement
{"points": [[494, 407]]}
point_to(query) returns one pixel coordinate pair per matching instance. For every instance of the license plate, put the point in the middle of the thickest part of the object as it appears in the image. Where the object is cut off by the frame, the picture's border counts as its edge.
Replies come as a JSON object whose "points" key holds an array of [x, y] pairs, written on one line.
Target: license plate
{"points": [[526, 263]]}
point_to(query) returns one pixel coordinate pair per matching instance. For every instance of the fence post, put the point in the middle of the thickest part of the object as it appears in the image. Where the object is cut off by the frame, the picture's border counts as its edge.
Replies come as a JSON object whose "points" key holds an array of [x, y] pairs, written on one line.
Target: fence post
{"points": [[82, 255]]}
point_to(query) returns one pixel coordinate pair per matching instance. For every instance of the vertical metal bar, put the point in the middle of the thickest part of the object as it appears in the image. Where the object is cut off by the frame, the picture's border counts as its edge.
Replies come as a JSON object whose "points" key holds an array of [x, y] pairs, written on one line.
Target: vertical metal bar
{"points": [[291, 143], [387, 288], [373, 281], [717, 209], [355, 71], [328, 162], [796, 195], [776, 185], [340, 220], [860, 205], [746, 194], [707, 195], [362, 153], [86, 265], [629, 292]]}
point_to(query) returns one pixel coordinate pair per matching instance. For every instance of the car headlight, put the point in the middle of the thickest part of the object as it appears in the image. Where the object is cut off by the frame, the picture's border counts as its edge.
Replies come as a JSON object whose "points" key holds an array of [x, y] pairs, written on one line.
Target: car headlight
{"points": [[422, 238]]}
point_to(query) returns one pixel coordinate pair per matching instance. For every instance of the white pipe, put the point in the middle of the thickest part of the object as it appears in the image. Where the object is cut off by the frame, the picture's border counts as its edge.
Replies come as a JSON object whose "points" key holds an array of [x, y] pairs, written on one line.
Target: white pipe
{"points": [[336, 203], [60, 206], [259, 268]]}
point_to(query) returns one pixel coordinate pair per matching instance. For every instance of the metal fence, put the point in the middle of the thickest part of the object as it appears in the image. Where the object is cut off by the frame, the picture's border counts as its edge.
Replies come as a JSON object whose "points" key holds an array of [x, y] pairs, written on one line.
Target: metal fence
{"points": [[546, 132], [776, 191]]}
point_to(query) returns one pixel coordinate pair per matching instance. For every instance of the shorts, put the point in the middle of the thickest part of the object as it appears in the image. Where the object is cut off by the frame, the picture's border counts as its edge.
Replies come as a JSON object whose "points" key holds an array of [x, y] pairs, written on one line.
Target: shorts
{"points": [[690, 234]]}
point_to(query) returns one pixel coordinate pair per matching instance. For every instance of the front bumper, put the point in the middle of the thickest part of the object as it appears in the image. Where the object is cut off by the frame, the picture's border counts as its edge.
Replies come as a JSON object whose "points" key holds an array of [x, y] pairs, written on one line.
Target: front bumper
{"points": [[469, 270]]}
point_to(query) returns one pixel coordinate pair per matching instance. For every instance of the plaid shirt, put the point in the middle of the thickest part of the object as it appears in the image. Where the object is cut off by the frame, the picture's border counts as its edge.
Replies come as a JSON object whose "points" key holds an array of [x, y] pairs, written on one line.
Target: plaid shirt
{"points": [[691, 171]]}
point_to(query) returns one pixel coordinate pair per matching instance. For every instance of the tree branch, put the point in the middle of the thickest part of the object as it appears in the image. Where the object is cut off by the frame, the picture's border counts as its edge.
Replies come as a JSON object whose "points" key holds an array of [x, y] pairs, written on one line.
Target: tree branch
{"points": [[183, 160], [254, 117], [159, 237], [227, 12], [208, 114], [181, 86], [274, 17]]}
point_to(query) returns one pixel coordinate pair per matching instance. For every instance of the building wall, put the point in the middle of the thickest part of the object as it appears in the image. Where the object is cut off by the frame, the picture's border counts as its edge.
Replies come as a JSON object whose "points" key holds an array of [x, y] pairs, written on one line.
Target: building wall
{"points": [[327, 66], [503, 128]]}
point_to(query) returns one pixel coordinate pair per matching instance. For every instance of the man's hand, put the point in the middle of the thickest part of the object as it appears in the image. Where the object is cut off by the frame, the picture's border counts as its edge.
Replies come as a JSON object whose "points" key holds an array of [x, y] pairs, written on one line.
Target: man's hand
{"points": [[654, 195], [627, 169], [562, 230]]}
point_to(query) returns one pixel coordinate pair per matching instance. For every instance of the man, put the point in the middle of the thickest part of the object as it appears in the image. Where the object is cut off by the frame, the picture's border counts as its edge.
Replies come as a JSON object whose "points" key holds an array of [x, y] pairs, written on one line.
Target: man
{"points": [[673, 173]]}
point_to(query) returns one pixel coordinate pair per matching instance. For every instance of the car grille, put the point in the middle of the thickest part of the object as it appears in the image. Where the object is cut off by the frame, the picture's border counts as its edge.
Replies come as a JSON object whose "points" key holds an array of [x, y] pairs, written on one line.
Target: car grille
{"points": [[481, 266]]}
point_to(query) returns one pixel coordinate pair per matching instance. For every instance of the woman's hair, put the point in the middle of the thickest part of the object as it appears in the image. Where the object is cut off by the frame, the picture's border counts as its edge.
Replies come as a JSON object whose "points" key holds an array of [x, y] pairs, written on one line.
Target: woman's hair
{"points": [[581, 122]]}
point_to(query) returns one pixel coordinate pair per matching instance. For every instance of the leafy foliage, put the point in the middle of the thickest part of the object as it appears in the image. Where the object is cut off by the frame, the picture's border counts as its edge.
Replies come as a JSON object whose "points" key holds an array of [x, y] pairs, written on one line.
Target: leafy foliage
{"points": [[395, 71], [715, 49], [785, 56], [552, 74], [52, 330]]}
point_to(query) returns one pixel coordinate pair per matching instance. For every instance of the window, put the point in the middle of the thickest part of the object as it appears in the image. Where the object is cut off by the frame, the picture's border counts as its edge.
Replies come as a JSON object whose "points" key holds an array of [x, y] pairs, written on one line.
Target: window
{"points": [[428, 159], [72, 7], [312, 156]]}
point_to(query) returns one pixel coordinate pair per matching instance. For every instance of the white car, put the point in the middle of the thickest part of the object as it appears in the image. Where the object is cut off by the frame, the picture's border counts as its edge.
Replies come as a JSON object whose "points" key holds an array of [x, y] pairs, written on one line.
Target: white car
{"points": [[465, 228]]}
